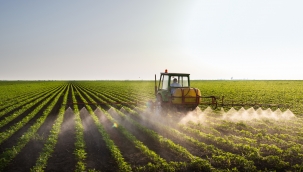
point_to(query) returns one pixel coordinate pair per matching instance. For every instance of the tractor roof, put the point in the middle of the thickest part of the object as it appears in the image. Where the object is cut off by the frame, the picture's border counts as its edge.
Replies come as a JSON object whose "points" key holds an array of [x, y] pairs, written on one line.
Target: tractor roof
{"points": [[180, 74]]}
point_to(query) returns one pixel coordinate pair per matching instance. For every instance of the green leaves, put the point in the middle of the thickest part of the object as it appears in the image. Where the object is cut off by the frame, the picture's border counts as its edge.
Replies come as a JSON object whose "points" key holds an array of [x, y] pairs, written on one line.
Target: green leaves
{"points": [[9, 154], [213, 144]]}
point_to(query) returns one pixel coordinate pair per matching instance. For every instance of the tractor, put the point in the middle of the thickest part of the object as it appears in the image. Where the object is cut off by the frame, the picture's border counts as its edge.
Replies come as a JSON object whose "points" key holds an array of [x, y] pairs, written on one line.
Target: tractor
{"points": [[174, 91]]}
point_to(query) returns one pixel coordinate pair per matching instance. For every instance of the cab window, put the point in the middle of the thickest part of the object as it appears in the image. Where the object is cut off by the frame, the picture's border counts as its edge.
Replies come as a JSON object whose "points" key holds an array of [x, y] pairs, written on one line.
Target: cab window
{"points": [[164, 82], [182, 80]]}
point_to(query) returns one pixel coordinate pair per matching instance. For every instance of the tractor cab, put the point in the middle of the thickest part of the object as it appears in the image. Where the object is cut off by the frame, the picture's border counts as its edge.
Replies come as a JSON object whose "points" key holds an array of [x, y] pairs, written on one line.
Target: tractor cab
{"points": [[168, 86], [174, 90]]}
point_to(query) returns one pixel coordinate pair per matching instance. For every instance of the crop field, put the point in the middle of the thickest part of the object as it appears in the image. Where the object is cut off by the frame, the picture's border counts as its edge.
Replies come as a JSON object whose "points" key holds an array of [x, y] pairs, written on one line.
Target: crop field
{"points": [[107, 126]]}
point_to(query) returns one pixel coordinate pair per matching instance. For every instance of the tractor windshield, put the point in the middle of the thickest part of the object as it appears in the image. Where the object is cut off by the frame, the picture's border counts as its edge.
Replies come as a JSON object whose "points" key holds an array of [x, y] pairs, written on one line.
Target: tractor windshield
{"points": [[181, 81]]}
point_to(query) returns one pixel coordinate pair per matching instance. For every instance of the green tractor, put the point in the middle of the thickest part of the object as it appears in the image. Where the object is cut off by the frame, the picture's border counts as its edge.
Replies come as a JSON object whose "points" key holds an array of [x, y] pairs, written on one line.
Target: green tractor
{"points": [[174, 91]]}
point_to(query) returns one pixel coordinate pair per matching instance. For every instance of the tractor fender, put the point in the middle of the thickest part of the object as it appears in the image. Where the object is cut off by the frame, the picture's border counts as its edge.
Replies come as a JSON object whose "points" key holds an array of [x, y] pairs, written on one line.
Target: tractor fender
{"points": [[165, 96]]}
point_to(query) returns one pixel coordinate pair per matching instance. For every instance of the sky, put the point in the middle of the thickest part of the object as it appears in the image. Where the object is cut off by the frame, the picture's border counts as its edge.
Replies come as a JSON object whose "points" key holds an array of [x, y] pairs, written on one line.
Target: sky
{"points": [[134, 40]]}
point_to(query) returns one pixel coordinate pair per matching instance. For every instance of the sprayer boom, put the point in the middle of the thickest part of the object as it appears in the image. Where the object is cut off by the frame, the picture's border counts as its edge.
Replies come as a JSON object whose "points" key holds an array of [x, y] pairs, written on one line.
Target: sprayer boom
{"points": [[233, 103]]}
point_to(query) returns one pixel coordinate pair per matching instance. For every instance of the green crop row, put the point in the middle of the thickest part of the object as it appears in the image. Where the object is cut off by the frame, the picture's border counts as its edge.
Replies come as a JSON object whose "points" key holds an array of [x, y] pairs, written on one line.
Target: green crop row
{"points": [[15, 90], [49, 146], [195, 161], [24, 99], [24, 106], [244, 137], [7, 133], [222, 141], [228, 160], [123, 166], [160, 163], [10, 153], [80, 143]]}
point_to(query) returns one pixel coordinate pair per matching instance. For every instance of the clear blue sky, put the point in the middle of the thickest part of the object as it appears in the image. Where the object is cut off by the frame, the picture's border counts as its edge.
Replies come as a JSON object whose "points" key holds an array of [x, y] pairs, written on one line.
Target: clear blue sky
{"points": [[121, 40]]}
